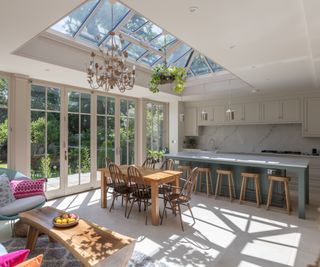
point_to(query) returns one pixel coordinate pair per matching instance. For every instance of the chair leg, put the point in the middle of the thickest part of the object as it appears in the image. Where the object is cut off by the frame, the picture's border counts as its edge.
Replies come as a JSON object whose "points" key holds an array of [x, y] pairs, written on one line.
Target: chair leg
{"points": [[230, 188], [113, 199], [257, 191], [146, 211], [210, 180], [164, 209], [241, 190], [188, 204], [127, 200], [286, 190], [233, 186], [179, 208], [207, 183], [134, 200]]}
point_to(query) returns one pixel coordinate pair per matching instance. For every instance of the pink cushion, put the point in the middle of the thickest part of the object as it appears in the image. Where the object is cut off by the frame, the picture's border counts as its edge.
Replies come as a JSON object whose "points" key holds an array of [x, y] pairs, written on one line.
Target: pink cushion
{"points": [[27, 188], [13, 258]]}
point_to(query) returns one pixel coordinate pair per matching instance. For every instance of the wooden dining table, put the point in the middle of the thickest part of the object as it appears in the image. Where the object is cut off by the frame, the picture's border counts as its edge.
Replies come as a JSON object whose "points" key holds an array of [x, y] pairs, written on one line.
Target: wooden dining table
{"points": [[152, 177]]}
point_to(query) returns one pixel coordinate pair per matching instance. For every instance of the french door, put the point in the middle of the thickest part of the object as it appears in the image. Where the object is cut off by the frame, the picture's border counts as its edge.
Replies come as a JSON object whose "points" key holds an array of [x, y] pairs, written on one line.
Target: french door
{"points": [[73, 131]]}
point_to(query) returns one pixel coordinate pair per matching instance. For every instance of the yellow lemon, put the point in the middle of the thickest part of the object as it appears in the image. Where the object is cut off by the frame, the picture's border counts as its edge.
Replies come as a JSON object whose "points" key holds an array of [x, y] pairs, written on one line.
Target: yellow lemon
{"points": [[64, 221], [59, 221]]}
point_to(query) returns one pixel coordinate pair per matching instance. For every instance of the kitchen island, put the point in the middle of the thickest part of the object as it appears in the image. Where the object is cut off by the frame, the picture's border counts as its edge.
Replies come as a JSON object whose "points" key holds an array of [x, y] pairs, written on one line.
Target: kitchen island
{"points": [[240, 162]]}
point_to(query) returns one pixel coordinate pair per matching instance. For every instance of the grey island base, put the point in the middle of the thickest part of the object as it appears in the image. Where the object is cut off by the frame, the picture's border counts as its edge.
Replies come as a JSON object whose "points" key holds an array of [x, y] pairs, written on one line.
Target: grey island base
{"points": [[239, 163]]}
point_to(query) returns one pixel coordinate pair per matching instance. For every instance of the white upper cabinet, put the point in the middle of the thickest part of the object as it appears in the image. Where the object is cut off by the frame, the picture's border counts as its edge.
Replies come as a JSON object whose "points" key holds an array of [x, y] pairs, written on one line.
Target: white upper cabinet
{"points": [[252, 112], [238, 113], [190, 121], [205, 116], [311, 122], [291, 110], [271, 111], [219, 114]]}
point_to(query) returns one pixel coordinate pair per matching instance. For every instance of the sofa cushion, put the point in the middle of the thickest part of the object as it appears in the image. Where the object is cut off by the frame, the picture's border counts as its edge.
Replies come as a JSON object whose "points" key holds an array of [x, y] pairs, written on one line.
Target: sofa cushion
{"points": [[6, 196], [27, 188], [22, 204], [14, 258], [3, 250], [34, 262]]}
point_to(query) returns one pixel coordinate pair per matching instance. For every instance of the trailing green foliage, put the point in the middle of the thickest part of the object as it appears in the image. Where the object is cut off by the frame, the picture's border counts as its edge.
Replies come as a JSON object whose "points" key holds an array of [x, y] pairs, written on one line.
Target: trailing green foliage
{"points": [[161, 74], [157, 155]]}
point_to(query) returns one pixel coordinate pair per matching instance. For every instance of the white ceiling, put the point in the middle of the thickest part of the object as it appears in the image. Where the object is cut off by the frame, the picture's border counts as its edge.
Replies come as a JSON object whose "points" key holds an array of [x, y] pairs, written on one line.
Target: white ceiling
{"points": [[270, 45]]}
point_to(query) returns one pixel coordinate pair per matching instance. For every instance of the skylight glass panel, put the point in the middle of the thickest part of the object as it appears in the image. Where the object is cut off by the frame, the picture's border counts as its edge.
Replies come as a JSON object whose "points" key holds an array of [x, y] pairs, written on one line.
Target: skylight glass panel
{"points": [[178, 53], [199, 66], [150, 59], [70, 24], [148, 32], [135, 51], [100, 24], [121, 45], [189, 74], [214, 66], [182, 62], [160, 41], [134, 24]]}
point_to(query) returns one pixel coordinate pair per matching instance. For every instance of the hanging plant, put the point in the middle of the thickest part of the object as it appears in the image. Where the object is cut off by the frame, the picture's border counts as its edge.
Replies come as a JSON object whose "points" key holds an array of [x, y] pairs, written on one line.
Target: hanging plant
{"points": [[161, 74]]}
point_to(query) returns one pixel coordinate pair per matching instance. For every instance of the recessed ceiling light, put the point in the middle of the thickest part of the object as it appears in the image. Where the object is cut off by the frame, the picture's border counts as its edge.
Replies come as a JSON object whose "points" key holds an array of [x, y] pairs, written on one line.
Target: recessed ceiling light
{"points": [[193, 9]]}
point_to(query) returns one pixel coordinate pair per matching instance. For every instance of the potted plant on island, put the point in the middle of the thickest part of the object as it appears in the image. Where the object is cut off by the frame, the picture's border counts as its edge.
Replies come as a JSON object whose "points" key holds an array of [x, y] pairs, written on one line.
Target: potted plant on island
{"points": [[161, 74]]}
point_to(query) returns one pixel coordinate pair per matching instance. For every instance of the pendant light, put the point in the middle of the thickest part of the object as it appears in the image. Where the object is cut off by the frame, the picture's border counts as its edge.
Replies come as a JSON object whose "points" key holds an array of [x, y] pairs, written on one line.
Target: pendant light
{"points": [[230, 111]]}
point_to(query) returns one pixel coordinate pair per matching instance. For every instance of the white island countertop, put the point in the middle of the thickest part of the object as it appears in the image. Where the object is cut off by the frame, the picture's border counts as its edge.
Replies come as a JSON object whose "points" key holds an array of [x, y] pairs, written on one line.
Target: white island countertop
{"points": [[241, 159]]}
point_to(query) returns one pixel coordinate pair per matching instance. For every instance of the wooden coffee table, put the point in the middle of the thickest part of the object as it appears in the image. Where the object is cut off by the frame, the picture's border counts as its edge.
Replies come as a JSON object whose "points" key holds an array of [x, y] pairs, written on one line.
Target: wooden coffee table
{"points": [[93, 245]]}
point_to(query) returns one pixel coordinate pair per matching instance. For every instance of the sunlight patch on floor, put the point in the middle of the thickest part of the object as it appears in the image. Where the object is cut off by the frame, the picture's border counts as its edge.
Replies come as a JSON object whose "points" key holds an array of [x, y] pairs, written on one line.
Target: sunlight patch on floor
{"points": [[291, 239], [65, 203], [247, 264], [239, 222], [147, 246], [271, 252], [258, 227]]}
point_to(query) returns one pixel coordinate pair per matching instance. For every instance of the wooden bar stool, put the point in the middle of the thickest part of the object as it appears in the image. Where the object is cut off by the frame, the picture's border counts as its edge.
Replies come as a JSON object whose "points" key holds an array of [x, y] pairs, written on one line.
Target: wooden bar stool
{"points": [[285, 181], [256, 180], [232, 190], [204, 172], [185, 169]]}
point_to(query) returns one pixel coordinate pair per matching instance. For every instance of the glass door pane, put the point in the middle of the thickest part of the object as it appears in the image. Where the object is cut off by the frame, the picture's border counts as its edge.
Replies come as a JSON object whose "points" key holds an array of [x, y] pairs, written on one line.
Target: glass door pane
{"points": [[105, 131], [45, 135], [79, 154], [3, 123], [127, 131]]}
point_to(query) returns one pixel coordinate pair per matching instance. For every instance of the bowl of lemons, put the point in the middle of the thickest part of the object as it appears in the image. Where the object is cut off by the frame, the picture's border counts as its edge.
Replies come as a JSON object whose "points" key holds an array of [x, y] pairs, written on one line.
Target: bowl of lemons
{"points": [[66, 220]]}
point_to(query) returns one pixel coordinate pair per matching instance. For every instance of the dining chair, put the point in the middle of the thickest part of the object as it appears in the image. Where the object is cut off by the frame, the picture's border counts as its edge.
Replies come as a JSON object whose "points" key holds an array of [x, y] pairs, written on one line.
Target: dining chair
{"points": [[141, 191], [109, 182], [149, 163], [180, 196], [168, 164], [120, 186]]}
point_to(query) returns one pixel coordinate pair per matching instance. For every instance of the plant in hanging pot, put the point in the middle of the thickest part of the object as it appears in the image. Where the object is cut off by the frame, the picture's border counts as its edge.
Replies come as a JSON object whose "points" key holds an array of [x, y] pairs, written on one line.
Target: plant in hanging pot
{"points": [[161, 74]]}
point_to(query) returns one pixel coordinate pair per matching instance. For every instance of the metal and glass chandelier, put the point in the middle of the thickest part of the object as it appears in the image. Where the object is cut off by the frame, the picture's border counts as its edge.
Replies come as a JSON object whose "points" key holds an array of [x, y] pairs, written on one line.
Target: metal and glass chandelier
{"points": [[112, 71]]}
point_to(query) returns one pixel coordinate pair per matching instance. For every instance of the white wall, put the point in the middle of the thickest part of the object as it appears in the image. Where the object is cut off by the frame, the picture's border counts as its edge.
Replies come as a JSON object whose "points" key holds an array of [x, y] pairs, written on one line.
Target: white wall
{"points": [[175, 126]]}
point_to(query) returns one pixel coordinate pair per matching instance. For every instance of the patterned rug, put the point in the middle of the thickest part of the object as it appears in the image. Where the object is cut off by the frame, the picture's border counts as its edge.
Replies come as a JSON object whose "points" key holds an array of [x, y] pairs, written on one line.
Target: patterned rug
{"points": [[56, 254]]}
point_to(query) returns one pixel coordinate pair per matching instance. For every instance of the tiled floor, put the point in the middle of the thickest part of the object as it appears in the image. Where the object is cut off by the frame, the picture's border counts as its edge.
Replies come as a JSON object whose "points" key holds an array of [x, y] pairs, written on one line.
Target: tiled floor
{"points": [[225, 234]]}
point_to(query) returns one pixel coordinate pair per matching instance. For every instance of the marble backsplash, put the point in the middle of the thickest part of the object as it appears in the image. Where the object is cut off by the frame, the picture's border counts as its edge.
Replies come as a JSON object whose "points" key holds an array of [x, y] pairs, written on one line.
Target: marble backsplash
{"points": [[254, 138]]}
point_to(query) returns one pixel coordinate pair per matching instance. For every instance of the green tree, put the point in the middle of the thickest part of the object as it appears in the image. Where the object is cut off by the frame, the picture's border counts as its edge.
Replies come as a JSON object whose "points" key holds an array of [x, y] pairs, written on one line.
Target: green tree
{"points": [[4, 133]]}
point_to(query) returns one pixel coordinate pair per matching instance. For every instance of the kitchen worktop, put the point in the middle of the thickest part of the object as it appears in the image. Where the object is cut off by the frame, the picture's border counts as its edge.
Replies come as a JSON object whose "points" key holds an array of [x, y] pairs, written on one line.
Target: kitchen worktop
{"points": [[273, 161]]}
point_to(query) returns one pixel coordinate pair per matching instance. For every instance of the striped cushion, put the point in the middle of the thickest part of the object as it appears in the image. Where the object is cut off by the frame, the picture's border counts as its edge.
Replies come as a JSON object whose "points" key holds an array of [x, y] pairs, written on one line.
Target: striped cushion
{"points": [[27, 188]]}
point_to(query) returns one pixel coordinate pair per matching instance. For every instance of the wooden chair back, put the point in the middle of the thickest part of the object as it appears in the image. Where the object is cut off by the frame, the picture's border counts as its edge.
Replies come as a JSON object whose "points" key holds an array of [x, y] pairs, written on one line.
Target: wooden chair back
{"points": [[116, 175], [149, 163], [136, 179], [108, 161], [168, 164], [188, 186]]}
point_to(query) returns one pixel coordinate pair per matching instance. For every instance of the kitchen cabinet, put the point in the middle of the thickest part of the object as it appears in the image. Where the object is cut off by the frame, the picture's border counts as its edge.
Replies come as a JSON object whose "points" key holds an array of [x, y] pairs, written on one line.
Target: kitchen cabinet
{"points": [[290, 110], [271, 111], [219, 114], [311, 122], [202, 121], [191, 121], [238, 113], [251, 112]]}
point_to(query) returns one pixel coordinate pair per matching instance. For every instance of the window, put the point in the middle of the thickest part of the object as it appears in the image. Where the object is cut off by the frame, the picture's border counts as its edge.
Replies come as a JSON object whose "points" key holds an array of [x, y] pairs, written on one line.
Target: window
{"points": [[3, 123], [105, 130], [45, 135], [155, 127], [127, 131]]}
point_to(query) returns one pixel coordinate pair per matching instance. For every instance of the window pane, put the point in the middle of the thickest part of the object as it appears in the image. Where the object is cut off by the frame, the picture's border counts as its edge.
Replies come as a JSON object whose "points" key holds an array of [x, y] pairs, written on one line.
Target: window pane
{"points": [[214, 66], [110, 137], [135, 51], [38, 97], [71, 23], [160, 41], [110, 106], [101, 139], [150, 59], [3, 123], [100, 24], [123, 107], [131, 109], [38, 121], [74, 102], [148, 32], [85, 149], [73, 149], [85, 103], [199, 66], [53, 101], [3, 92], [179, 52], [101, 105], [123, 140], [183, 61], [134, 23]]}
